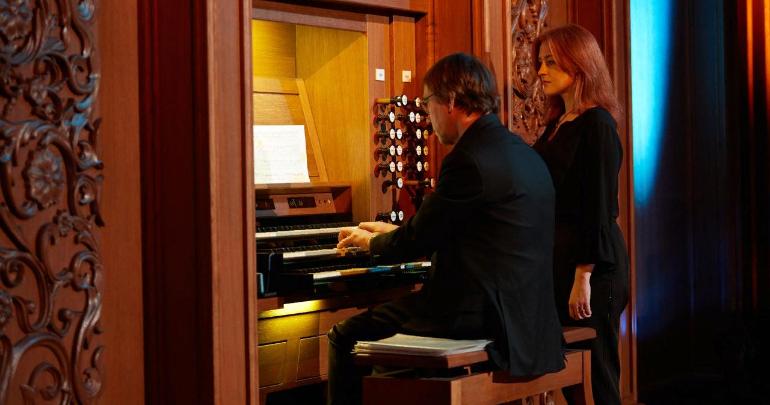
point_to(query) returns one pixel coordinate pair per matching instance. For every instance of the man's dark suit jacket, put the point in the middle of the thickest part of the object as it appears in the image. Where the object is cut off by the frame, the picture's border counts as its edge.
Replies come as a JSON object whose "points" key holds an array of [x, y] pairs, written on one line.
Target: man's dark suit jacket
{"points": [[489, 228]]}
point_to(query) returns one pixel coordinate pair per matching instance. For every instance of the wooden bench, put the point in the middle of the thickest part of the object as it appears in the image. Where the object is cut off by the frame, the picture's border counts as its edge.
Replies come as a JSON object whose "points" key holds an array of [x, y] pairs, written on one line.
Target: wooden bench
{"points": [[402, 387]]}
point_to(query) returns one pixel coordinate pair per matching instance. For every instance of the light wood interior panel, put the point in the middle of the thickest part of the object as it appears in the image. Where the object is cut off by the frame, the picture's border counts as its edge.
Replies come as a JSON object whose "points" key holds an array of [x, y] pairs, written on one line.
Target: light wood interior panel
{"points": [[333, 64], [272, 45], [274, 109]]}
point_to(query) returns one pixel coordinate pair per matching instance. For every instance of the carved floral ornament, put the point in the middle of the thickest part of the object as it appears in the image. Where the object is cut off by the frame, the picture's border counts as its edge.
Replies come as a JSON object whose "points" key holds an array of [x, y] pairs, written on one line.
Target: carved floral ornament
{"points": [[528, 107], [50, 182]]}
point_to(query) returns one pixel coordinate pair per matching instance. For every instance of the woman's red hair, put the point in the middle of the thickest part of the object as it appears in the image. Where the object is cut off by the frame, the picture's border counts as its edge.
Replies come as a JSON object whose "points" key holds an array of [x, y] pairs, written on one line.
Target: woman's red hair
{"points": [[575, 51]]}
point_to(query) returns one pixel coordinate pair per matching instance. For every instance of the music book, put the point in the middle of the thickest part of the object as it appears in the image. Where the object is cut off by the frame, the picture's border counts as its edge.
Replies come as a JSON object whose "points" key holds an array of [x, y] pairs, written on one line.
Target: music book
{"points": [[280, 155], [420, 345]]}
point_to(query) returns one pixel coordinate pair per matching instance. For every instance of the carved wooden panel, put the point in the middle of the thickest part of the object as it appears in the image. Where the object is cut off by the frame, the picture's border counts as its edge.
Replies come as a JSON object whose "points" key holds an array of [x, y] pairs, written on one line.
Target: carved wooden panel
{"points": [[528, 101], [50, 182]]}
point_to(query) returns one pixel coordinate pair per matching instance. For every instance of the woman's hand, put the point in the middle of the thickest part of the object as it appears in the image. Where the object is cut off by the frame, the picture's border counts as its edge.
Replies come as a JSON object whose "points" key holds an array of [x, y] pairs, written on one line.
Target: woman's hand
{"points": [[580, 296]]}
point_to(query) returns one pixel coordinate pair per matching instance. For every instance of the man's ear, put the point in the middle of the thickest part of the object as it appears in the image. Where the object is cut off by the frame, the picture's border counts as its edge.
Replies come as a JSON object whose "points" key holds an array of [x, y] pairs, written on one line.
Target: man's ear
{"points": [[451, 102]]}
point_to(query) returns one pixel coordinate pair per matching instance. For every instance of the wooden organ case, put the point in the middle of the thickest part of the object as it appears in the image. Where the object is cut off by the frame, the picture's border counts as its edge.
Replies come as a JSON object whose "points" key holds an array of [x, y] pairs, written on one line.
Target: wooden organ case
{"points": [[322, 66]]}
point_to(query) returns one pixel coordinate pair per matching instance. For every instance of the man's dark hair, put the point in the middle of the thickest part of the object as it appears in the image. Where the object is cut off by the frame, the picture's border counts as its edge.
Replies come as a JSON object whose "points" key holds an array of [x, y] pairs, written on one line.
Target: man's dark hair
{"points": [[467, 79]]}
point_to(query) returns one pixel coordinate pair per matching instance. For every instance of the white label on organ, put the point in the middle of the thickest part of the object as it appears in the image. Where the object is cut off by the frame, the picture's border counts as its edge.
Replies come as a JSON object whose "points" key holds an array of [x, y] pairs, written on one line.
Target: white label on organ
{"points": [[404, 100], [392, 166], [393, 216], [392, 150], [399, 150], [419, 166], [418, 149], [400, 215], [392, 116], [400, 166], [425, 151], [418, 134], [418, 118], [400, 182], [399, 134], [392, 133], [411, 117]]}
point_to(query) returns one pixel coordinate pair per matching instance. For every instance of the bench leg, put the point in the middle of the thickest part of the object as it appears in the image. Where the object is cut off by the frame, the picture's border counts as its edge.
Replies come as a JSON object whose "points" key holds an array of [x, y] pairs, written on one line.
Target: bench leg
{"points": [[583, 393]]}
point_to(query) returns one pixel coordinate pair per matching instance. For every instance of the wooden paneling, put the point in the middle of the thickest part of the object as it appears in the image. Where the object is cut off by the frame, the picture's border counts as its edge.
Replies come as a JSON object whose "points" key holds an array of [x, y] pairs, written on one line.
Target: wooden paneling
{"points": [[273, 49], [325, 58], [402, 43], [379, 57], [121, 247], [452, 28]]}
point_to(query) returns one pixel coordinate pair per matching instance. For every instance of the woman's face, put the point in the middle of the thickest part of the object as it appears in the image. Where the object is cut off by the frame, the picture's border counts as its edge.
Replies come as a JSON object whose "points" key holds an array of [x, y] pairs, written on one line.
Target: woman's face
{"points": [[555, 81]]}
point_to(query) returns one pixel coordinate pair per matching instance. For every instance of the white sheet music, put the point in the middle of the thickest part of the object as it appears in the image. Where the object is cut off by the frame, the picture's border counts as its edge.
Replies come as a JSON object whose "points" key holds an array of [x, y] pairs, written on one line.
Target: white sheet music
{"points": [[279, 154]]}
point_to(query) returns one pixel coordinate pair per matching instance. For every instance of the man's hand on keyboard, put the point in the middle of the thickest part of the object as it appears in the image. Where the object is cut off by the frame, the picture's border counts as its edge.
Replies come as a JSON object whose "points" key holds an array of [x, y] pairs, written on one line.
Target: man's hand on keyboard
{"points": [[355, 237], [377, 227]]}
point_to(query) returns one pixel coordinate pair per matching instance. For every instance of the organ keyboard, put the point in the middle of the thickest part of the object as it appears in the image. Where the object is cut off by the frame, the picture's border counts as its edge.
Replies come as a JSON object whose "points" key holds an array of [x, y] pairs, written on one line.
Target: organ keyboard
{"points": [[297, 251]]}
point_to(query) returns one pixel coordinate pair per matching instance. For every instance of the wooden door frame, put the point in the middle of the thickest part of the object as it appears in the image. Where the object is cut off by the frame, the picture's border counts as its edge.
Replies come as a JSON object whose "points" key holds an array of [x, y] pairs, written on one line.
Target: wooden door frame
{"points": [[199, 278]]}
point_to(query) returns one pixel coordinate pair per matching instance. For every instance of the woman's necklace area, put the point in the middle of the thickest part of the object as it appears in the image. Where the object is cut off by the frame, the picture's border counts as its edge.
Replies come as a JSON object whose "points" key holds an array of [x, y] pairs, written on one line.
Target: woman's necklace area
{"points": [[566, 117]]}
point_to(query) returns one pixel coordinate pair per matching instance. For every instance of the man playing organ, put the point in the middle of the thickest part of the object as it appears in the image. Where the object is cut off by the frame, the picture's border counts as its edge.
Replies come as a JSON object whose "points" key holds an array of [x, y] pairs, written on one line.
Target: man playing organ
{"points": [[488, 229]]}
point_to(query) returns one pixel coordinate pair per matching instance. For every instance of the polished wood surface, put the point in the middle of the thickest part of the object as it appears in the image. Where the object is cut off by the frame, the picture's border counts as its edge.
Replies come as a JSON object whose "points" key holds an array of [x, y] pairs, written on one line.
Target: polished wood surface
{"points": [[273, 49], [122, 236]]}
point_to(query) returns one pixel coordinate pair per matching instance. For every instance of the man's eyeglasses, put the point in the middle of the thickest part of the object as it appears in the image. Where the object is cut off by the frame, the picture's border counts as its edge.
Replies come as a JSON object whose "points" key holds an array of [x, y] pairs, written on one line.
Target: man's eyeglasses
{"points": [[425, 100]]}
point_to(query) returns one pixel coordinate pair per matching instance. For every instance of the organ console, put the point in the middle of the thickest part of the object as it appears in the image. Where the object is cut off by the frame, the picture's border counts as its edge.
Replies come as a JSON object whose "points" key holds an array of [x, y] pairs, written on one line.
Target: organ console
{"points": [[358, 170], [299, 255]]}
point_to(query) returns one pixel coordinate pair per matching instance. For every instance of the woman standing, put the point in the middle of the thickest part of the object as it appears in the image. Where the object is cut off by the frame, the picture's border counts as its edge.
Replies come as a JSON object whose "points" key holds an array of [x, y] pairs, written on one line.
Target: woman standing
{"points": [[581, 147]]}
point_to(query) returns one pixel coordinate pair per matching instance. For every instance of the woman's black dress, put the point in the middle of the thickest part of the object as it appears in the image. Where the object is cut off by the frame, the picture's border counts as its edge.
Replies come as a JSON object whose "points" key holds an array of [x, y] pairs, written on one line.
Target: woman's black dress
{"points": [[584, 157]]}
